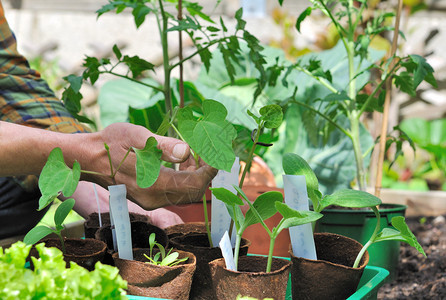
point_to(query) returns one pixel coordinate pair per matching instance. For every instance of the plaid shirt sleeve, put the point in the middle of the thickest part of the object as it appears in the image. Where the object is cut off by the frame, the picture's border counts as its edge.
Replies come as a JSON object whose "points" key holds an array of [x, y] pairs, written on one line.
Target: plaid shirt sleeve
{"points": [[25, 98]]}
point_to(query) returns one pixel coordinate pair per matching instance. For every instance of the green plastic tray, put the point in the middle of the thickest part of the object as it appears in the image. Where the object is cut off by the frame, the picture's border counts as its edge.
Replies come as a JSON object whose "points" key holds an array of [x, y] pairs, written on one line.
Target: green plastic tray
{"points": [[372, 279]]}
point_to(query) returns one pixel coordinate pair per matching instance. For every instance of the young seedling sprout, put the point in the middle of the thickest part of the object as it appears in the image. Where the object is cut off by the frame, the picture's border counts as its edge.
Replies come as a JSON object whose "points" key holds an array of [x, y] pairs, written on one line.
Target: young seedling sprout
{"points": [[57, 178], [161, 258], [293, 164]]}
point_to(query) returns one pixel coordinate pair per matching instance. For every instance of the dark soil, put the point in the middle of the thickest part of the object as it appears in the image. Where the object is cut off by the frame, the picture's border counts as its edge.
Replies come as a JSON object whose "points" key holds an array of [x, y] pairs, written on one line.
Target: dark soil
{"points": [[420, 277]]}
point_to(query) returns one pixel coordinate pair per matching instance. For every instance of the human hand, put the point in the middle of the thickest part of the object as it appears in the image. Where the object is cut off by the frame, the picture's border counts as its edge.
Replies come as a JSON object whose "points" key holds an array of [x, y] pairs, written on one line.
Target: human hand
{"points": [[172, 187]]}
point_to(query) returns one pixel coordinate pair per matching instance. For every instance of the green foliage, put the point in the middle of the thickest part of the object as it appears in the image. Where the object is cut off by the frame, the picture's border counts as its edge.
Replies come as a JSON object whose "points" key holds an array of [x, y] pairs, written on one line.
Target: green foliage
{"points": [[50, 278], [265, 206], [348, 101], [296, 165], [161, 258]]}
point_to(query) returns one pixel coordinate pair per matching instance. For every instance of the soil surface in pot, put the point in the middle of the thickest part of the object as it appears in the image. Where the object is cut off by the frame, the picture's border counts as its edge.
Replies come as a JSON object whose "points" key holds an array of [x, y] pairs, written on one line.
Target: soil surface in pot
{"points": [[419, 277], [84, 252]]}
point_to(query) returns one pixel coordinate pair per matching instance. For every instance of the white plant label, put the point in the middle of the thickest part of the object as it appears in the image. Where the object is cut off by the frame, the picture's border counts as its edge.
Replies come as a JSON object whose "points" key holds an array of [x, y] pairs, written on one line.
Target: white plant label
{"points": [[296, 197], [219, 214], [226, 251], [119, 214]]}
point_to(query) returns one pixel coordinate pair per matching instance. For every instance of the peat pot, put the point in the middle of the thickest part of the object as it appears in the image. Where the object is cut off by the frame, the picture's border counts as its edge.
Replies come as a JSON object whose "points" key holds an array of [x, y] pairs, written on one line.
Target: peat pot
{"points": [[359, 225], [198, 244], [332, 275], [250, 279], [84, 252], [148, 280], [91, 224]]}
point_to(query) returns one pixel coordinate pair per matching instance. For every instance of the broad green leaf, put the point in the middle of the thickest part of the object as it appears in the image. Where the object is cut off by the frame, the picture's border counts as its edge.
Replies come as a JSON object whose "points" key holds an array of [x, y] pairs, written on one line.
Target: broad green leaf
{"points": [[56, 177], [116, 96], [226, 196], [272, 115], [350, 198], [148, 163], [294, 217], [264, 205], [36, 234], [402, 233], [294, 164], [62, 211], [211, 136]]}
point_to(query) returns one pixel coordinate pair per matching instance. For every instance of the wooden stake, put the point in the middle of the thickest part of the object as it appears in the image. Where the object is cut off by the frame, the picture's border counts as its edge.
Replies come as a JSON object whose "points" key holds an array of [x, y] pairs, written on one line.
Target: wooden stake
{"points": [[385, 118]]}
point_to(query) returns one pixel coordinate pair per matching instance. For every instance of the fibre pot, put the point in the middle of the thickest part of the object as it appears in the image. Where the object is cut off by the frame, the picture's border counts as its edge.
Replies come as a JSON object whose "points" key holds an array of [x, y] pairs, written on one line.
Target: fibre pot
{"points": [[140, 235], [332, 275], [250, 279], [185, 228], [91, 224], [198, 244], [84, 252], [148, 280], [359, 225]]}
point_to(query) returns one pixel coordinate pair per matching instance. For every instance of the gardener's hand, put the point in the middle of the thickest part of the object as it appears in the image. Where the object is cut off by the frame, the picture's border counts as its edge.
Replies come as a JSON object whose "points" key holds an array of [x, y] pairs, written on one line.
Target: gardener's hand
{"points": [[172, 187]]}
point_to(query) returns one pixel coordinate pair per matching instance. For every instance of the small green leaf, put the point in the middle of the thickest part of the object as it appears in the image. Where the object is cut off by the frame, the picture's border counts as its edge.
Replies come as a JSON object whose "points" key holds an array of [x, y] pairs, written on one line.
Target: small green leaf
{"points": [[62, 211], [148, 163], [36, 234], [294, 217], [350, 198], [422, 70], [302, 17], [294, 164], [117, 52], [257, 119], [226, 196], [264, 205], [169, 259], [272, 115]]}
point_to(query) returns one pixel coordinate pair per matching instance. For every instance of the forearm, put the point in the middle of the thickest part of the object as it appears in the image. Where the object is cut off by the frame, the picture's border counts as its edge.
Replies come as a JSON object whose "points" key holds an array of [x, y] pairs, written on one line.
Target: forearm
{"points": [[24, 150]]}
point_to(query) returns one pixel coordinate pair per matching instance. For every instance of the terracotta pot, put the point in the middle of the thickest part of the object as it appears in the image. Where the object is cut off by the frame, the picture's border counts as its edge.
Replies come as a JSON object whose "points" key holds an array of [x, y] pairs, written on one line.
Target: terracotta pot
{"points": [[332, 275], [250, 279], [198, 244], [91, 224], [150, 280], [84, 252]]}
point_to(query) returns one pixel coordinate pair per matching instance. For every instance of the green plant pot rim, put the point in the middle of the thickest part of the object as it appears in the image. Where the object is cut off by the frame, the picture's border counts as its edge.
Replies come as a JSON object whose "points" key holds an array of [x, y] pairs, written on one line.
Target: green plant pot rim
{"points": [[384, 208]]}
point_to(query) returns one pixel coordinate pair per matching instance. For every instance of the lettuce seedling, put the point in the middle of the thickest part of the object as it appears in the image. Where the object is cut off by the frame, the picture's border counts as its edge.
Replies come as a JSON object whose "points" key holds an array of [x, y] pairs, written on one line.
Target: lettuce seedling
{"points": [[294, 164], [51, 279], [162, 258]]}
